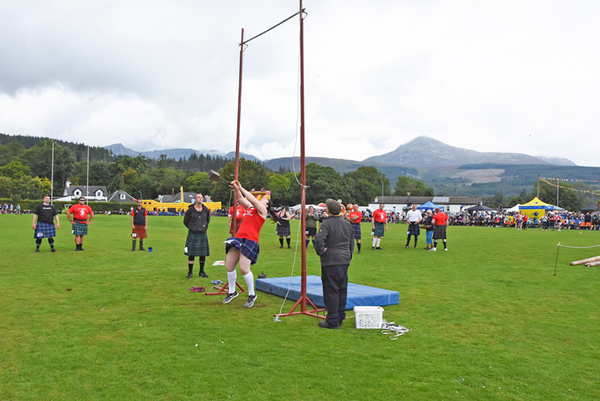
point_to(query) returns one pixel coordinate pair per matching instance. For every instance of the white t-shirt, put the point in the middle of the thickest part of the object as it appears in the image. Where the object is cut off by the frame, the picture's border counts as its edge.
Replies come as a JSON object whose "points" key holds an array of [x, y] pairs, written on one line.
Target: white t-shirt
{"points": [[413, 215]]}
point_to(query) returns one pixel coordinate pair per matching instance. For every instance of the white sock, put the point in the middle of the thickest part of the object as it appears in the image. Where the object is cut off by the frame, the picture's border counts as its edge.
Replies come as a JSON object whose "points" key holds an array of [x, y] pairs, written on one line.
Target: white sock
{"points": [[374, 242], [249, 279], [232, 277], [378, 242]]}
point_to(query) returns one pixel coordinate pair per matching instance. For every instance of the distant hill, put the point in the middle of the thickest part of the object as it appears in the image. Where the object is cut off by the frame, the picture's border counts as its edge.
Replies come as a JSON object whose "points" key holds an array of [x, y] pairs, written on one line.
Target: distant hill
{"points": [[119, 150], [428, 152], [558, 161]]}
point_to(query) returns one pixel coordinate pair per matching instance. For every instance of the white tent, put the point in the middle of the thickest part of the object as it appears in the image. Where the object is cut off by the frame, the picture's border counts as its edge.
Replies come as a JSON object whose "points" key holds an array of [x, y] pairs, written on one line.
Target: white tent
{"points": [[514, 209]]}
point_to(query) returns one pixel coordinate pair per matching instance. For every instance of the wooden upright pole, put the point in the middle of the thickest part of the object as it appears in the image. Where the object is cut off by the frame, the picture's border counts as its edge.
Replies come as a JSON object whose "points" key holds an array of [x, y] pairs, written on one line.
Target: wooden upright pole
{"points": [[237, 139]]}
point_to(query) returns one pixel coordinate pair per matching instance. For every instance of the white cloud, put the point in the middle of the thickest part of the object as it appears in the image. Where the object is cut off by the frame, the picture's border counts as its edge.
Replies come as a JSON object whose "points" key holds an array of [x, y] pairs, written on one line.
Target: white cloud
{"points": [[490, 76]]}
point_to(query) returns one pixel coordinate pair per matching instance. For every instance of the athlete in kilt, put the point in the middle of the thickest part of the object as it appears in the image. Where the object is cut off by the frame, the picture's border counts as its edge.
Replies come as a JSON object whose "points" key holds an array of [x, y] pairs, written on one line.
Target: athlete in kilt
{"points": [[45, 214], [243, 249], [196, 219], [283, 226], [311, 219], [413, 218], [440, 222], [355, 217], [78, 217], [139, 224], [380, 226]]}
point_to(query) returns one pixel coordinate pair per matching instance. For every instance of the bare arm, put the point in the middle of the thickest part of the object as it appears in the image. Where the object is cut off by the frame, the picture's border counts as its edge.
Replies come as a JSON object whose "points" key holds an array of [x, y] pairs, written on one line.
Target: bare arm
{"points": [[250, 199]]}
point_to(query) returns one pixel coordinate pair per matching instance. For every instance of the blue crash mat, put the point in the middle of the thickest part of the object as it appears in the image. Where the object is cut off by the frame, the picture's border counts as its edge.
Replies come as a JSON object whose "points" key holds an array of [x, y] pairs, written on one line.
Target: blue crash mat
{"points": [[358, 295]]}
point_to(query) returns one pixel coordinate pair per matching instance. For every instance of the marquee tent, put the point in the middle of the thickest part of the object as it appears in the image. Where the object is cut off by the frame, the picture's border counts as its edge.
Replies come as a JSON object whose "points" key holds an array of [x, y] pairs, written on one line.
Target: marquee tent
{"points": [[428, 205], [535, 208], [479, 208], [514, 209]]}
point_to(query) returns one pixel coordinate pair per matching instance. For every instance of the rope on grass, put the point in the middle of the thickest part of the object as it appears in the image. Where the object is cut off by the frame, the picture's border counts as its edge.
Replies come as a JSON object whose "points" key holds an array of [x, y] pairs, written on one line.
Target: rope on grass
{"points": [[276, 318], [578, 247], [391, 328]]}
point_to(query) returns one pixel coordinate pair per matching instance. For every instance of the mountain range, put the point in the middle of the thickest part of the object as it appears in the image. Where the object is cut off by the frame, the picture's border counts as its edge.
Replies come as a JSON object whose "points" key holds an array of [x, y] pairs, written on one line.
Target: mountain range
{"points": [[420, 153]]}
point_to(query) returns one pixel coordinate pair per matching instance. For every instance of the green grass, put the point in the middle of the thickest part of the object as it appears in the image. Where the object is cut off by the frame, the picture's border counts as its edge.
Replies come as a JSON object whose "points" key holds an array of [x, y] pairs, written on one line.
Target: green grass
{"points": [[488, 319]]}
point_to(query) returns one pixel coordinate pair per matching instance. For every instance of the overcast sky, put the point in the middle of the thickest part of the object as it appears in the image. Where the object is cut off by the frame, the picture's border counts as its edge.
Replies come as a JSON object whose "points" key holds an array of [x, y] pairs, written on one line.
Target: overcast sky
{"points": [[504, 76]]}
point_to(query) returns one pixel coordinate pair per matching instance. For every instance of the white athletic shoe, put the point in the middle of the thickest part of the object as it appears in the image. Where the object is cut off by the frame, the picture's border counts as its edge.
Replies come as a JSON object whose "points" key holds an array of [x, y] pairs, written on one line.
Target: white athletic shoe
{"points": [[432, 250], [250, 302], [446, 249]]}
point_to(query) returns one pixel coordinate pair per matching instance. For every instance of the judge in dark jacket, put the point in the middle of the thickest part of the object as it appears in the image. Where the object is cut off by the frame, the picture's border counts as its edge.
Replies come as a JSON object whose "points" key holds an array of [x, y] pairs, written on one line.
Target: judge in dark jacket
{"points": [[196, 219], [334, 243]]}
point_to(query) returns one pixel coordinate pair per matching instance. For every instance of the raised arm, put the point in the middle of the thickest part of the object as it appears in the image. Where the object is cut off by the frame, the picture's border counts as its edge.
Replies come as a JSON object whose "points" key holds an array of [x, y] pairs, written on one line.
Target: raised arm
{"points": [[249, 199]]}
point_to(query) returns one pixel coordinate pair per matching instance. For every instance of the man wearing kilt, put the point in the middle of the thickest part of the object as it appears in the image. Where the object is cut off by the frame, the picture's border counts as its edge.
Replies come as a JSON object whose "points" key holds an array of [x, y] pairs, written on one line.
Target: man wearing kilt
{"points": [[243, 249], [311, 219], [355, 217], [45, 214], [440, 222], [78, 217], [196, 219], [139, 224], [413, 218], [380, 226]]}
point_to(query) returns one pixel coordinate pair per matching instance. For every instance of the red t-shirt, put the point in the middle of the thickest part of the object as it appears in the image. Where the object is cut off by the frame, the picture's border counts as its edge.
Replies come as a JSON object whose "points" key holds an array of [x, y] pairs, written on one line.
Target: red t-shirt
{"points": [[239, 213], [380, 216], [80, 212], [251, 225], [440, 219], [355, 214]]}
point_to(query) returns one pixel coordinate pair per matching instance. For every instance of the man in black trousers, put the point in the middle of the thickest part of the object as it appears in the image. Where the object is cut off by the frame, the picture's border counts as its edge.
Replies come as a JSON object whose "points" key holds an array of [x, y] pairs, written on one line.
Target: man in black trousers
{"points": [[334, 243]]}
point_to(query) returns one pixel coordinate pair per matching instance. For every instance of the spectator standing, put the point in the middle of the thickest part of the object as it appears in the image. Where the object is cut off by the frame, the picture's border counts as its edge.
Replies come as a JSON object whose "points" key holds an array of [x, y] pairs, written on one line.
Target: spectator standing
{"points": [[440, 222], [334, 244], [80, 216], [283, 226], [355, 218], [413, 218], [45, 213], [429, 228], [139, 224], [197, 219], [379, 224], [311, 219]]}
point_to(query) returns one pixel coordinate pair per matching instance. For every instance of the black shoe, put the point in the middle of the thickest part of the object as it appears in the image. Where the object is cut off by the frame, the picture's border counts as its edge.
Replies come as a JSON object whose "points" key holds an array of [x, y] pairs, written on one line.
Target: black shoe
{"points": [[133, 249], [379, 249], [53, 250], [190, 275], [250, 302], [37, 251], [281, 247], [229, 297], [289, 247], [142, 249], [406, 246], [372, 248], [81, 248], [202, 274], [325, 325]]}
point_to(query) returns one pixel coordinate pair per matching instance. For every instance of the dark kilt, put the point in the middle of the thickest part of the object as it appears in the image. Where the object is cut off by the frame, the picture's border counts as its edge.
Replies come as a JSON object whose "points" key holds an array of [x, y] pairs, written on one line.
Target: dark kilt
{"points": [[414, 229], [140, 232], [439, 232], [311, 231], [379, 230], [283, 231], [248, 248], [197, 245], [357, 232], [44, 230], [80, 229]]}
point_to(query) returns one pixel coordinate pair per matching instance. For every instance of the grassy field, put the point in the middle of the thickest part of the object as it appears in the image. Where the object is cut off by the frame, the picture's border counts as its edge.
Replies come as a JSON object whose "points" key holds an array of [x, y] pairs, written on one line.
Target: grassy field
{"points": [[489, 320]]}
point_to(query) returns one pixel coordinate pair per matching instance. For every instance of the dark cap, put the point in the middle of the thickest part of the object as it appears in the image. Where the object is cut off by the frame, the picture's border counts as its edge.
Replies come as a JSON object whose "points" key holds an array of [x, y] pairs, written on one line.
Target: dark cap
{"points": [[333, 206]]}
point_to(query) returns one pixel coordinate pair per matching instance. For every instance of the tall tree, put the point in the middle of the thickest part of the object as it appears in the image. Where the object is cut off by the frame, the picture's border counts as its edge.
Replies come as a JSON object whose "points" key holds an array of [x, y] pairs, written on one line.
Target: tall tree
{"points": [[198, 183], [415, 187], [251, 175], [39, 160], [367, 184]]}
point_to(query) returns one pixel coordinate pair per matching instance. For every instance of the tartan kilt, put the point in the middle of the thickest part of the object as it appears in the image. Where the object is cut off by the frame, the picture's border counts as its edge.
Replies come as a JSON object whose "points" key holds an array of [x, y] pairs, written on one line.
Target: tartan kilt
{"points": [[248, 248], [439, 232], [140, 232], [44, 230], [379, 230], [357, 232], [197, 245], [283, 231], [414, 229], [311, 231], [79, 229]]}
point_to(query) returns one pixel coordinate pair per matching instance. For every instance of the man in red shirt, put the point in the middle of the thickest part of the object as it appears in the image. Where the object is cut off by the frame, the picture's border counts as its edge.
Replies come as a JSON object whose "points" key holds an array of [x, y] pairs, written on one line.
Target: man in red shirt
{"points": [[440, 222], [139, 224], [355, 217], [78, 217], [380, 226]]}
